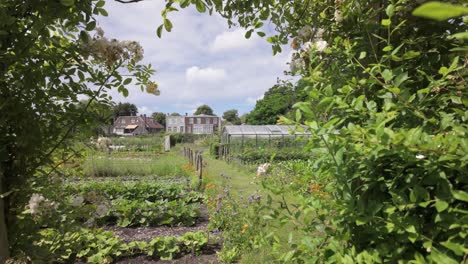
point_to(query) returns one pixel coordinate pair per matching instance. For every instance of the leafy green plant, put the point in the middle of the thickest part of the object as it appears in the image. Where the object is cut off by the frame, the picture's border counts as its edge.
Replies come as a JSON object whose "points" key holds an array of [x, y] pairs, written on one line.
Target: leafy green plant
{"points": [[164, 247]]}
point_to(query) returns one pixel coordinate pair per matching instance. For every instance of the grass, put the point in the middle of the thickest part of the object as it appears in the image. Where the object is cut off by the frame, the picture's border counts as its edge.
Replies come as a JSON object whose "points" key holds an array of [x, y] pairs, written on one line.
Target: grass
{"points": [[112, 165], [240, 180], [139, 143]]}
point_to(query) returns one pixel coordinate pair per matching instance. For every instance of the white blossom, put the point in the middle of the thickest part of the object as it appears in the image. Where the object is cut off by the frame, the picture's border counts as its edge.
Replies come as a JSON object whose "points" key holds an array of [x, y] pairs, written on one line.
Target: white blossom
{"points": [[320, 45], [101, 210], [320, 33], [262, 169], [420, 156], [338, 16], [296, 64], [35, 202]]}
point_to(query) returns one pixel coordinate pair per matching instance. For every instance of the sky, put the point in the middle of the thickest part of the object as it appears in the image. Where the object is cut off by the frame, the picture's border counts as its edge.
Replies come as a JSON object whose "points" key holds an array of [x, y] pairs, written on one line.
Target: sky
{"points": [[202, 61]]}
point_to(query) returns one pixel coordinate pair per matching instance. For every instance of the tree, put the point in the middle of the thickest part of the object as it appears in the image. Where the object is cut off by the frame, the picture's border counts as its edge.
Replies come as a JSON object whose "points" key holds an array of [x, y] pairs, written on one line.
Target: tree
{"points": [[175, 114], [48, 61], [125, 109], [204, 110], [160, 118], [278, 100], [232, 116]]}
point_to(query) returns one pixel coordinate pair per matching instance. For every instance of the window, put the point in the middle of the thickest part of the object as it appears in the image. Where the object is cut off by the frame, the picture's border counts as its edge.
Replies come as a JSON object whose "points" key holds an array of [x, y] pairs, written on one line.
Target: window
{"points": [[168, 129], [181, 129], [190, 120], [208, 120], [215, 120], [133, 120], [123, 121], [198, 120]]}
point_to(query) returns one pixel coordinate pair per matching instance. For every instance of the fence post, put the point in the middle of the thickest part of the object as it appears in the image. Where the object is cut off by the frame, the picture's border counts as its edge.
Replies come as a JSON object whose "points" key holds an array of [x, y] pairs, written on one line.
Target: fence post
{"points": [[200, 173]]}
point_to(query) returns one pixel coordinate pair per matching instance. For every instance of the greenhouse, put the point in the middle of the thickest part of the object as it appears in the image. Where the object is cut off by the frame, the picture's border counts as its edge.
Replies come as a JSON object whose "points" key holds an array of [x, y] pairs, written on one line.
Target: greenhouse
{"points": [[237, 139]]}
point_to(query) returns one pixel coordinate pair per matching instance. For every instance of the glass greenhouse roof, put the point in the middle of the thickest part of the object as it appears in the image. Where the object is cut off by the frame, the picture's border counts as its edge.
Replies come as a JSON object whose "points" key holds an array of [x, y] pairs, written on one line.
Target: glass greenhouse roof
{"points": [[262, 130]]}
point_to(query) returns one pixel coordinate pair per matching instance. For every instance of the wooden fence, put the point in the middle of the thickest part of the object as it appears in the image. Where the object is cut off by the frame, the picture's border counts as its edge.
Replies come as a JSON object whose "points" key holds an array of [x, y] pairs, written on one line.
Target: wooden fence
{"points": [[195, 159]]}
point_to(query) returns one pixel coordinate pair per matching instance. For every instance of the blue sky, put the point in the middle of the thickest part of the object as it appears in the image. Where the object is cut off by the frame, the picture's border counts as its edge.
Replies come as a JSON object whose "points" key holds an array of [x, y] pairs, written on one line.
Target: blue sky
{"points": [[202, 61]]}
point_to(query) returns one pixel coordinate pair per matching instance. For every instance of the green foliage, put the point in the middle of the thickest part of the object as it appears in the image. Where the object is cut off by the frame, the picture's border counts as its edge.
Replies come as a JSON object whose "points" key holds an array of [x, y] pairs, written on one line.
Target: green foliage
{"points": [[386, 103], [125, 109], [162, 166], [130, 213], [151, 142], [255, 156], [440, 11], [135, 190], [204, 110], [232, 116], [49, 62], [277, 101], [97, 246], [160, 118]]}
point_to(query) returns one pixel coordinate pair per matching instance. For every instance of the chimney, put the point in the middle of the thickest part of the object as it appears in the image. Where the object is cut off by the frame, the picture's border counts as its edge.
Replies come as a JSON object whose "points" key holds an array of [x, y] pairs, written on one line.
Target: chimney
{"points": [[186, 114]]}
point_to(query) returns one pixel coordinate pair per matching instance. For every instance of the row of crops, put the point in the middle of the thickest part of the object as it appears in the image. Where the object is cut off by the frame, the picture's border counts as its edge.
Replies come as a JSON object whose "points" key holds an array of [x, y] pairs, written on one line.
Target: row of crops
{"points": [[72, 218]]}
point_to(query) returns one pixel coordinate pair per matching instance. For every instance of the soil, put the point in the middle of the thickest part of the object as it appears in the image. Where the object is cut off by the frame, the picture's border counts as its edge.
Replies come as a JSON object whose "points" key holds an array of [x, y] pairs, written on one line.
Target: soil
{"points": [[148, 233], [187, 259]]}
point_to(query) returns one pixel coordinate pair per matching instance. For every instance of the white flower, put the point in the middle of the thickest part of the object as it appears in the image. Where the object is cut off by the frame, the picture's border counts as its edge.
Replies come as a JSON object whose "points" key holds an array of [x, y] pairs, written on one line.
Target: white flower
{"points": [[77, 200], [420, 156], [320, 45], [320, 33], [101, 210], [34, 202], [308, 46], [338, 16], [296, 64], [262, 169]]}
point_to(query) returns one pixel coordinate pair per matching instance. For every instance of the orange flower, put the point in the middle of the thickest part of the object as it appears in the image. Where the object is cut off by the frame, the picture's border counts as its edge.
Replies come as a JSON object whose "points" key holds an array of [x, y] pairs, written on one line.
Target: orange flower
{"points": [[245, 226], [315, 187]]}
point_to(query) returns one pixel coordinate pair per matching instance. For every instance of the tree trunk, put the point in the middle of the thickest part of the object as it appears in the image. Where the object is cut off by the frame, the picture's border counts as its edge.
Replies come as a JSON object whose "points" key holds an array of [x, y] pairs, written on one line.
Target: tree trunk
{"points": [[4, 247]]}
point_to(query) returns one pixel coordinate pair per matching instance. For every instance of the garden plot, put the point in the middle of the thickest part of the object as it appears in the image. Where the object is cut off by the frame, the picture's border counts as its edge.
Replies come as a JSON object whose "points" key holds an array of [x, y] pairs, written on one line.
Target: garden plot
{"points": [[133, 208]]}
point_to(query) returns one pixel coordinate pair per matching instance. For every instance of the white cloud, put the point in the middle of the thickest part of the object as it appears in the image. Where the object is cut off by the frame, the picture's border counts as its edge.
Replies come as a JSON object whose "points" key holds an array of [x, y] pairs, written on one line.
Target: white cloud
{"points": [[201, 60], [230, 40], [196, 74]]}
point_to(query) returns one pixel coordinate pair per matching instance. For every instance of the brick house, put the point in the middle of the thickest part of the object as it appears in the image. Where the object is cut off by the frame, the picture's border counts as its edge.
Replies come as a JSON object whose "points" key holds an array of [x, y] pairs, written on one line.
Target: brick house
{"points": [[197, 124], [136, 125]]}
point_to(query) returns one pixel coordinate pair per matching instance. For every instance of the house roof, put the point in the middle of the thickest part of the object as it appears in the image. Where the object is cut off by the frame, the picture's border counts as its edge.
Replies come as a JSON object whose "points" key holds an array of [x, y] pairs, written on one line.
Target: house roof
{"points": [[131, 126], [137, 121]]}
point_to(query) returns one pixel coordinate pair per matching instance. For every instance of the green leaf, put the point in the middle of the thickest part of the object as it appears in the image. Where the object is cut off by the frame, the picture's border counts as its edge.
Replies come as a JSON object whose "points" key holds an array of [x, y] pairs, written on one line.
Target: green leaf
{"points": [[200, 6], [411, 229], [100, 3], [460, 195], [91, 25], [261, 34], [458, 249], [387, 75], [411, 55], [440, 11], [159, 31], [127, 81], [390, 10], [441, 205], [362, 55], [67, 2], [461, 35], [386, 22], [167, 25], [248, 34], [103, 12]]}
